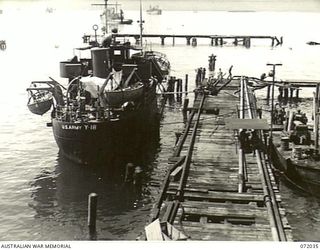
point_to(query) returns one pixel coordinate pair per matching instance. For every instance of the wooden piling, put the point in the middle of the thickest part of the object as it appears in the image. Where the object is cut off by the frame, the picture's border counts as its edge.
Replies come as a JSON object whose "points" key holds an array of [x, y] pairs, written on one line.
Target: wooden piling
{"points": [[268, 93], [285, 93], [291, 93], [286, 122], [198, 76], [194, 41], [92, 213], [179, 89], [162, 39], [216, 42], [291, 114], [186, 85], [247, 42], [129, 173], [137, 40], [177, 86], [185, 109], [188, 40], [137, 178], [235, 41], [171, 84]]}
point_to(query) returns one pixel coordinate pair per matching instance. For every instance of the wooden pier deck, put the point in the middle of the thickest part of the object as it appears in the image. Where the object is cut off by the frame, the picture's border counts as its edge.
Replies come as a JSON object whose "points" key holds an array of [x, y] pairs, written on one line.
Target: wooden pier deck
{"points": [[214, 189]]}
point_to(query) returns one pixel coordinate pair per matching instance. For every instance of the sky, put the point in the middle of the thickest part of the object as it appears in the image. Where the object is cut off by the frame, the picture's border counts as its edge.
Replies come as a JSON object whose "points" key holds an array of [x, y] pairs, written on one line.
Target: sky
{"points": [[192, 5]]}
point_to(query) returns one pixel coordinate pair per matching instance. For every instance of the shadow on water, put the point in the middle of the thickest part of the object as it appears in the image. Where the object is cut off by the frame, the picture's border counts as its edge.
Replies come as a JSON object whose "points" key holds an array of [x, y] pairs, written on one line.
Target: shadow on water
{"points": [[60, 196], [302, 212]]}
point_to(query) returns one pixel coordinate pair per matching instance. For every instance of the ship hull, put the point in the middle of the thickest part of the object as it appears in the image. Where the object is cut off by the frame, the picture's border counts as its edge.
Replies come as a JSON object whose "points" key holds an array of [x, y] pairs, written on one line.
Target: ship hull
{"points": [[102, 141], [304, 174]]}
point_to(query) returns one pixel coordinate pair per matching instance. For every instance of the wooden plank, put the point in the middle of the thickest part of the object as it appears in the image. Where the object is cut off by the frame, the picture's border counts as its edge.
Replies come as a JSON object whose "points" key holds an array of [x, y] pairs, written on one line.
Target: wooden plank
{"points": [[205, 187], [226, 212], [224, 196], [209, 205], [203, 233], [153, 231], [227, 226], [175, 174]]}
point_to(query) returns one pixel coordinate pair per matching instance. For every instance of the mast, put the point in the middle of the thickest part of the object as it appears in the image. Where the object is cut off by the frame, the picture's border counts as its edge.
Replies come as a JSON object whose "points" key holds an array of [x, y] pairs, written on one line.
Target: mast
{"points": [[106, 14], [141, 24], [116, 7], [106, 11]]}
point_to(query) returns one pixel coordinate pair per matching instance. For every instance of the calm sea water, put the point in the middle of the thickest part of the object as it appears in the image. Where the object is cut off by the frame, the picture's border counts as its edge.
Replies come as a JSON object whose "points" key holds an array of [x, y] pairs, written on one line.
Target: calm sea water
{"points": [[42, 195]]}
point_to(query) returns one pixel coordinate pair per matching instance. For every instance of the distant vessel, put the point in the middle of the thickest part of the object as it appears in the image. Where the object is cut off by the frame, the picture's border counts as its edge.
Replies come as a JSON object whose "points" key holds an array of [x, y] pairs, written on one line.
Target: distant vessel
{"points": [[110, 104], [313, 43], [154, 10], [112, 15], [49, 10]]}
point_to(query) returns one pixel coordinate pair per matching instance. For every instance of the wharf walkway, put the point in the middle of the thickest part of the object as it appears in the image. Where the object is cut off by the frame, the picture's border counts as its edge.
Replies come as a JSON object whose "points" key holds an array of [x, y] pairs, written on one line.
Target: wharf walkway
{"points": [[215, 188], [215, 40]]}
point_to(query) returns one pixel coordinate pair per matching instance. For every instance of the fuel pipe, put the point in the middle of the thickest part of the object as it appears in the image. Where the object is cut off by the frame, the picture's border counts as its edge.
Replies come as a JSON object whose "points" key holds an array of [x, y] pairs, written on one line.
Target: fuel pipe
{"points": [[270, 198], [186, 164]]}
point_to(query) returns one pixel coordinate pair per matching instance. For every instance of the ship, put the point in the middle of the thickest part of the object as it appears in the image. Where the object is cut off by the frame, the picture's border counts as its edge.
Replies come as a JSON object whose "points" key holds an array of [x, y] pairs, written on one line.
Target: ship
{"points": [[154, 10], [112, 14], [110, 104], [294, 149]]}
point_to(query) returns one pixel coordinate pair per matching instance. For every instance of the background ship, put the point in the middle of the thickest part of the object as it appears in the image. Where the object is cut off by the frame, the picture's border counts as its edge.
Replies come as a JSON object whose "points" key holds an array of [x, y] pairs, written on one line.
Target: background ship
{"points": [[154, 10]]}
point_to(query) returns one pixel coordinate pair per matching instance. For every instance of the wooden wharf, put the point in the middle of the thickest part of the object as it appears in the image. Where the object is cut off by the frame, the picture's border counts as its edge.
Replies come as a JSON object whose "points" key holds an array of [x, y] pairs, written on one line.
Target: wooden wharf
{"points": [[215, 40], [215, 188]]}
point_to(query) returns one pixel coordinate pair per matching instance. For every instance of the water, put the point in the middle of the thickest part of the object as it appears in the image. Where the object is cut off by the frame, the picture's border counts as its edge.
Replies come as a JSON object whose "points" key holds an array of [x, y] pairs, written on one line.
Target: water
{"points": [[42, 195]]}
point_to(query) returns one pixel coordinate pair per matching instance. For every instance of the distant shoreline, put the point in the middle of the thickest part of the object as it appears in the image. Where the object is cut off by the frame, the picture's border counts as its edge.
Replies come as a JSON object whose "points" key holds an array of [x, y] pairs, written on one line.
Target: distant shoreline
{"points": [[228, 5], [180, 5]]}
